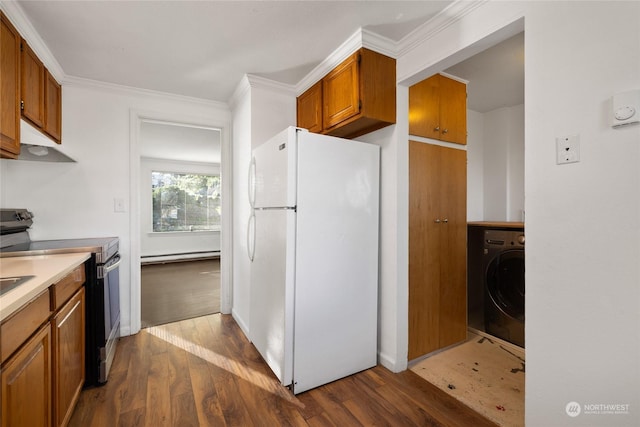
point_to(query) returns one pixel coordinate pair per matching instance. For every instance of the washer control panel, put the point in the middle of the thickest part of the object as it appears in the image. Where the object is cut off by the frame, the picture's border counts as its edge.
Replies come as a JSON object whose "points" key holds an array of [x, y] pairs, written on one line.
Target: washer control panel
{"points": [[503, 239]]}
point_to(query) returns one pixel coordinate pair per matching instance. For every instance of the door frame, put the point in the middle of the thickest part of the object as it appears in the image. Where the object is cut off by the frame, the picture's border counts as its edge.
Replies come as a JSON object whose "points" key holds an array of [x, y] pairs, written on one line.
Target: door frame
{"points": [[224, 126]]}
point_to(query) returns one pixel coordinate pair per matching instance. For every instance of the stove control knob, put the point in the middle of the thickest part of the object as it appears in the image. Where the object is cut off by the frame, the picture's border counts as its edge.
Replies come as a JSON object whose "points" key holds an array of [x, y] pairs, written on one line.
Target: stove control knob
{"points": [[521, 239]]}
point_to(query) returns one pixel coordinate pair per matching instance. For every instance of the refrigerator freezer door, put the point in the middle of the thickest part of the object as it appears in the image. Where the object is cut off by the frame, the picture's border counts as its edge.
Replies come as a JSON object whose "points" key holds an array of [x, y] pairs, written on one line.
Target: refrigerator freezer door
{"points": [[271, 299], [272, 180], [336, 299]]}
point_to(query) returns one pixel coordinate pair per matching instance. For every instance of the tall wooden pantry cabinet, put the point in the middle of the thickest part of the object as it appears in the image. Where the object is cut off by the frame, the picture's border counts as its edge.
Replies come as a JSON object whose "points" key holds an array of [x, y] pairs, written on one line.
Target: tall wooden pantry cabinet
{"points": [[437, 247]]}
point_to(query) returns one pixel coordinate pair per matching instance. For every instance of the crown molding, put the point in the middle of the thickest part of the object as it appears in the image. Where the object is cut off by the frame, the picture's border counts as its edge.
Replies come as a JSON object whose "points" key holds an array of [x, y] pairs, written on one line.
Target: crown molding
{"points": [[378, 43], [260, 82], [241, 89], [353, 43], [448, 16], [129, 90], [16, 15], [249, 81]]}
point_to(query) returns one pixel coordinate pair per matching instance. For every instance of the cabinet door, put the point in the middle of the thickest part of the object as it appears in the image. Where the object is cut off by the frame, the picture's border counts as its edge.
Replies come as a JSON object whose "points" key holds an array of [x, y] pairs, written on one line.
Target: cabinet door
{"points": [[10, 82], [453, 111], [32, 86], [425, 177], [424, 108], [52, 107], [453, 246], [309, 109], [68, 357], [26, 383], [437, 248], [341, 92]]}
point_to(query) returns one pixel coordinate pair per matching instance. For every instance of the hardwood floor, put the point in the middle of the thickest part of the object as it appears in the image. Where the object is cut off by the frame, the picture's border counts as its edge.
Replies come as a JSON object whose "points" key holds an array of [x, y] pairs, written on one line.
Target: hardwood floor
{"points": [[179, 290], [204, 372]]}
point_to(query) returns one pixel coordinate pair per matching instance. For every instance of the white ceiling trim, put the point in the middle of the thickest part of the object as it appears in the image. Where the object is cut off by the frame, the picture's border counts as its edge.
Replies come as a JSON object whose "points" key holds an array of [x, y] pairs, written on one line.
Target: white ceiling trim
{"points": [[19, 20], [264, 83], [448, 16], [112, 87], [353, 43]]}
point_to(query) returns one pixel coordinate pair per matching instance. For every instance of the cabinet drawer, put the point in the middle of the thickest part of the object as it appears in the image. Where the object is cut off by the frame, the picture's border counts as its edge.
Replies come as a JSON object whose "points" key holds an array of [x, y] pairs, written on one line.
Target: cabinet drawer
{"points": [[15, 330], [62, 290]]}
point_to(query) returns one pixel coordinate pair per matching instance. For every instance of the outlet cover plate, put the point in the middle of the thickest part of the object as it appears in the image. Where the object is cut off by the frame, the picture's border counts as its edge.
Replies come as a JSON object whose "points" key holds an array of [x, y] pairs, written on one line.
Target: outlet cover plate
{"points": [[567, 149]]}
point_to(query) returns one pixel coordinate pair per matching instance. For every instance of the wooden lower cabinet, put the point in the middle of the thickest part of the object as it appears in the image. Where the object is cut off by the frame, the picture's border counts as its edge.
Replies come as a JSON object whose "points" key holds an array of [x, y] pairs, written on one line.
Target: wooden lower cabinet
{"points": [[68, 357], [42, 356], [26, 383], [437, 248]]}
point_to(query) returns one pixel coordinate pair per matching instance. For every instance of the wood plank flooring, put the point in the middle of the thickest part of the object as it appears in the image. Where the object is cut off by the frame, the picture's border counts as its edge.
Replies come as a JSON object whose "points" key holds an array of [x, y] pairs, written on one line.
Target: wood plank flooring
{"points": [[179, 290], [204, 372]]}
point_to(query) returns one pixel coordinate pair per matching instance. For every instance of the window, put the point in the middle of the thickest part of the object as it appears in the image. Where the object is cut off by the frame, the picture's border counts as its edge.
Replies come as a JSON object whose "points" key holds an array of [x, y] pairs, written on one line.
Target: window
{"points": [[185, 202]]}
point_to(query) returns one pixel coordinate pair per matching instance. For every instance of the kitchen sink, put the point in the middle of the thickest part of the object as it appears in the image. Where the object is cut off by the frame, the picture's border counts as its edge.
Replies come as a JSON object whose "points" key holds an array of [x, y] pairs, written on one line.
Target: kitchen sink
{"points": [[9, 283]]}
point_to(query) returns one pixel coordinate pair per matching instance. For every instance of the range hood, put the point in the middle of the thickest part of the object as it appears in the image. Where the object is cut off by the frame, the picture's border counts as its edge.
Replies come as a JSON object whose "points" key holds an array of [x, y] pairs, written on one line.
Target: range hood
{"points": [[34, 146]]}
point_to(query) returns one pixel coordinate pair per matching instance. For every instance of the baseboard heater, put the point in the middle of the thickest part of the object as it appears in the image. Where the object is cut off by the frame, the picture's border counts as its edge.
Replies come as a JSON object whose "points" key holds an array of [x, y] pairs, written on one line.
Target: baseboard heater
{"points": [[178, 257]]}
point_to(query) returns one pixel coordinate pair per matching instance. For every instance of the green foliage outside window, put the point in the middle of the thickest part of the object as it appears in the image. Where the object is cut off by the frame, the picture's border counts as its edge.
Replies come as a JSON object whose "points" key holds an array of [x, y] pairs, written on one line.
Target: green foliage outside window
{"points": [[185, 202]]}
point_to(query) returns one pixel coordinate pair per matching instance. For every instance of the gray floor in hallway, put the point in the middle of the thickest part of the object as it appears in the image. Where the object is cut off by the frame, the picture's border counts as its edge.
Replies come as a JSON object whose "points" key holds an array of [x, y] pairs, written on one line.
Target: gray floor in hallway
{"points": [[179, 290]]}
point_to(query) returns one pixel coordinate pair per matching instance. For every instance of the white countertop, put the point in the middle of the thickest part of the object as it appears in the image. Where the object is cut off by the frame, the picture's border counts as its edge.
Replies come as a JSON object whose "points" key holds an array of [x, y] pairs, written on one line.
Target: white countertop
{"points": [[46, 269]]}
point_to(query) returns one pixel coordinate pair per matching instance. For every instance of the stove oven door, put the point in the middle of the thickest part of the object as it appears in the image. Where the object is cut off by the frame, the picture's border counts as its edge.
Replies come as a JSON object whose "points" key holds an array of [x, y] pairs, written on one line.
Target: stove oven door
{"points": [[111, 277]]}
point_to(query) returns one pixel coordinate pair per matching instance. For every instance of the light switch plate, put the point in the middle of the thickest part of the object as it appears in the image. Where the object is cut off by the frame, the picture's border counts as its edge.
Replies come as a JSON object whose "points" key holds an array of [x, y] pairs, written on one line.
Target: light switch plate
{"points": [[567, 149], [118, 205]]}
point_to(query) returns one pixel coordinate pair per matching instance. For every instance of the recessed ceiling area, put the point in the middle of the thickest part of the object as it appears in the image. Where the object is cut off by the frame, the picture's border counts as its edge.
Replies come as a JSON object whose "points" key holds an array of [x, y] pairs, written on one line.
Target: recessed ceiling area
{"points": [[178, 142], [495, 76]]}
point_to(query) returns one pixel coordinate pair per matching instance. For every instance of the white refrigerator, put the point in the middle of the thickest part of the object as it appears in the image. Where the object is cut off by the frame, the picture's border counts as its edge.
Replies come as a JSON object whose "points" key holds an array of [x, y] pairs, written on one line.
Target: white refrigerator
{"points": [[313, 244]]}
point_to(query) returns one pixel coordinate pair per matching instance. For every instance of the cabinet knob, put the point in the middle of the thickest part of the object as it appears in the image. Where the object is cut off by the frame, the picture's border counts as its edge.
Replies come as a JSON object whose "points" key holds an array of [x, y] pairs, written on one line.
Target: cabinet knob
{"points": [[436, 129], [445, 130], [437, 221], [446, 220]]}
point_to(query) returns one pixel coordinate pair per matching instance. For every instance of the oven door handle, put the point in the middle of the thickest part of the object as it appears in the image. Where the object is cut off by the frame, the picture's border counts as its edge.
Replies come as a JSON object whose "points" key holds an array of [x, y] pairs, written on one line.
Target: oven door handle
{"points": [[115, 263]]}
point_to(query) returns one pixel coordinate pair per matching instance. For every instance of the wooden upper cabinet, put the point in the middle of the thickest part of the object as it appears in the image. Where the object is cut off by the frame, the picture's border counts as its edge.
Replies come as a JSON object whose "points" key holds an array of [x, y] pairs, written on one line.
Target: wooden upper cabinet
{"points": [[341, 92], [52, 107], [32, 86], [438, 109], [10, 82], [356, 97], [309, 109]]}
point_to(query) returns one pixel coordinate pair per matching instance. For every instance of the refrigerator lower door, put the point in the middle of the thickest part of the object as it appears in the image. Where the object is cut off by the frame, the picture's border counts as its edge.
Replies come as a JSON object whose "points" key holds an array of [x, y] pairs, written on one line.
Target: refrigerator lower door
{"points": [[336, 293], [272, 281]]}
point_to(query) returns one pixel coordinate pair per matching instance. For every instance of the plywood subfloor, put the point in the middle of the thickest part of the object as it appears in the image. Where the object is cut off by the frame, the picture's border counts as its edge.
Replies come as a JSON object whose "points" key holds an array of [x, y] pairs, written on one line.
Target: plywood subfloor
{"points": [[180, 290], [484, 374]]}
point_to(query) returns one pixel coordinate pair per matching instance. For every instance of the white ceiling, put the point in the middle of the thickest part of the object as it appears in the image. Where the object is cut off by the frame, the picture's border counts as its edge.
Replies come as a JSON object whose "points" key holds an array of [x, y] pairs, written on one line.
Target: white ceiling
{"points": [[176, 142], [496, 76], [203, 48]]}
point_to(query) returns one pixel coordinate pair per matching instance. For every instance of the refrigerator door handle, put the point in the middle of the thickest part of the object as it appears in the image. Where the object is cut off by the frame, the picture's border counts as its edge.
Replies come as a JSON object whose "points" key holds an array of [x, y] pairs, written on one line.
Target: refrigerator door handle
{"points": [[251, 236], [252, 182]]}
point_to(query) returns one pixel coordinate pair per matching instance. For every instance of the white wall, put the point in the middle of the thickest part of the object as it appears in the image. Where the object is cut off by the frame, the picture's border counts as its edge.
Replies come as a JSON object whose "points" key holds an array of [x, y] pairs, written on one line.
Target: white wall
{"points": [[503, 164], [76, 200], [515, 164], [475, 166], [582, 219], [154, 244], [260, 109]]}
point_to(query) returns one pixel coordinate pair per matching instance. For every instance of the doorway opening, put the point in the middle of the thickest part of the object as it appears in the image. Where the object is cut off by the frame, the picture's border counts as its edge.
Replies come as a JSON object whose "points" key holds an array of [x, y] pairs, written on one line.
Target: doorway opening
{"points": [[483, 371], [180, 221]]}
